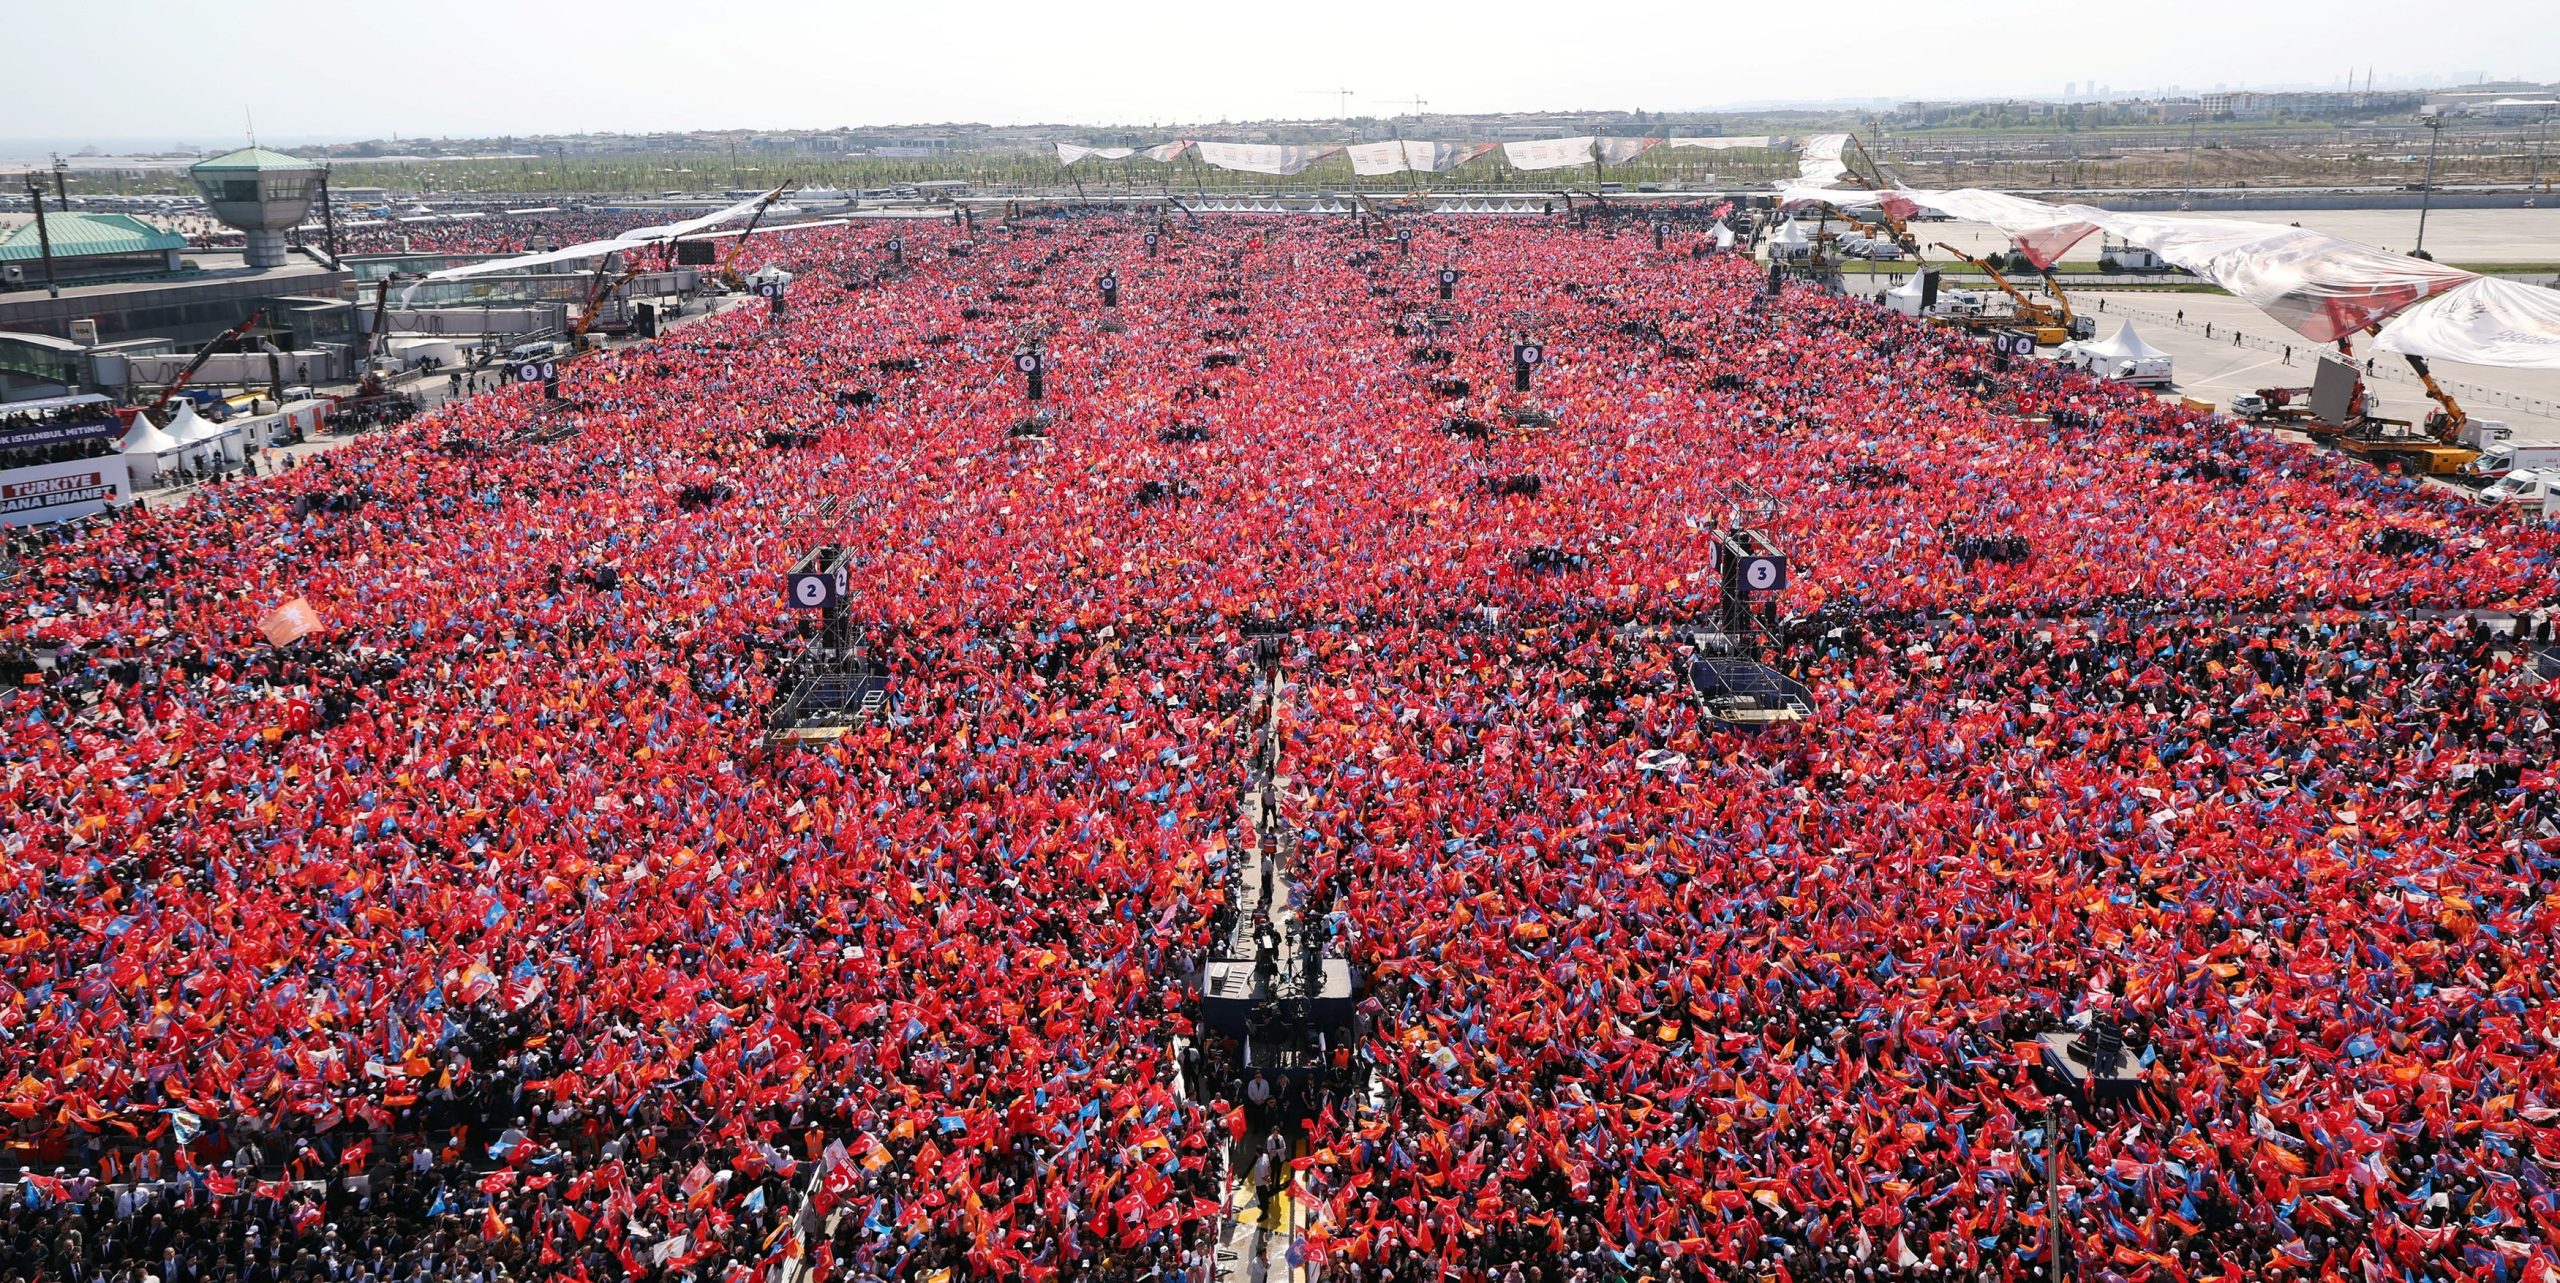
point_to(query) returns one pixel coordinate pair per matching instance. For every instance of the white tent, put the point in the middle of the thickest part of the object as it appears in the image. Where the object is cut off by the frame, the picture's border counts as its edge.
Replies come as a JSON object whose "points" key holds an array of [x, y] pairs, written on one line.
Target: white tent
{"points": [[2126, 343], [201, 440], [144, 446], [2123, 356], [1724, 236], [1789, 242], [770, 272], [1905, 298]]}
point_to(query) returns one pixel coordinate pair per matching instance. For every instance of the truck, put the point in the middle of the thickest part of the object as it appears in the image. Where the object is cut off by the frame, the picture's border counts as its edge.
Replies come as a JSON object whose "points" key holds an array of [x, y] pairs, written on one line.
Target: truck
{"points": [[2526, 486], [2480, 434], [2501, 457]]}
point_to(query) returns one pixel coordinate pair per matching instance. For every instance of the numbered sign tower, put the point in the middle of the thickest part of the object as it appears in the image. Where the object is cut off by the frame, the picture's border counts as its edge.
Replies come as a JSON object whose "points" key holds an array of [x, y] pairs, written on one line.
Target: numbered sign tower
{"points": [[822, 581], [832, 684], [1526, 353], [1726, 666]]}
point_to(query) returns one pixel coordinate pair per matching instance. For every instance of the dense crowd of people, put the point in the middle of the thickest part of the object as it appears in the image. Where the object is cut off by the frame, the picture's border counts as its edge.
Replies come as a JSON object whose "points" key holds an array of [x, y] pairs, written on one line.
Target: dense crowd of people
{"points": [[490, 231], [481, 933]]}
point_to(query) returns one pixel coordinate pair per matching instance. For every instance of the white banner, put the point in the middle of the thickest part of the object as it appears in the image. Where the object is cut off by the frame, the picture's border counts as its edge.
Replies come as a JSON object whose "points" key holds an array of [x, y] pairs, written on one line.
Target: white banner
{"points": [[2319, 286], [1820, 163], [1618, 151], [2040, 231], [1373, 159], [1755, 142], [1549, 153], [2487, 322], [1069, 153], [1262, 158], [1163, 153], [632, 239]]}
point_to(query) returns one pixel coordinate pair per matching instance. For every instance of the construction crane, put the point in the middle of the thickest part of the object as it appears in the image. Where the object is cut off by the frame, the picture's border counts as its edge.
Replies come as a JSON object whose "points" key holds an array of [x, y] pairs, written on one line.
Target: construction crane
{"points": [[729, 269], [602, 290], [381, 311], [1873, 180], [1342, 106], [2052, 323], [179, 384], [2445, 424]]}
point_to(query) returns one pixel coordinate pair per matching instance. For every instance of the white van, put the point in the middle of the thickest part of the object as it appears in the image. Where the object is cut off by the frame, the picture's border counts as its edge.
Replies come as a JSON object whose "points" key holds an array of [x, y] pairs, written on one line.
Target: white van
{"points": [[2501, 458], [2528, 486]]}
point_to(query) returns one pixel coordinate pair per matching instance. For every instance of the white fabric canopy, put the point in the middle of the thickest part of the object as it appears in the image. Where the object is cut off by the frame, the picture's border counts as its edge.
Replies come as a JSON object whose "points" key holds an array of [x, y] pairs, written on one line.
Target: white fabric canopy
{"points": [[187, 428], [1789, 235], [1069, 153], [2124, 345], [2040, 231], [596, 249], [1373, 159], [1724, 237], [2487, 322], [1262, 158], [144, 438], [2319, 286], [1819, 163], [1618, 151], [1549, 153]]}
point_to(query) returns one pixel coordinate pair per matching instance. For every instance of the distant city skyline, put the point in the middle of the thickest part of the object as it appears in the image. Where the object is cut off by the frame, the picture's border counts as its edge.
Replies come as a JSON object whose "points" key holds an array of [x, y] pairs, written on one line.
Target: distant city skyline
{"points": [[657, 66]]}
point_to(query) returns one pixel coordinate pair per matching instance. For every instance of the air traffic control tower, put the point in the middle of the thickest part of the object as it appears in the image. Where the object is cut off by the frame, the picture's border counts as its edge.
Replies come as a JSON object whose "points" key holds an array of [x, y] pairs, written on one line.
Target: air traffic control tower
{"points": [[263, 193]]}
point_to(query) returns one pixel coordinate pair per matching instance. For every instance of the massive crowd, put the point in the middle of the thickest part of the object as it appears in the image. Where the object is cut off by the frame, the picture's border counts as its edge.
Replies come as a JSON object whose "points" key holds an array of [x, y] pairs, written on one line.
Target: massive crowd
{"points": [[491, 231], [479, 934]]}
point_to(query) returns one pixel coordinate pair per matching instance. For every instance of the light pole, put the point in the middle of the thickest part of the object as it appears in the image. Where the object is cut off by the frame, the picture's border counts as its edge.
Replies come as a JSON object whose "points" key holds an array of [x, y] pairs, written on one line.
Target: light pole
{"points": [[2188, 199], [2543, 145], [44, 237], [2434, 121]]}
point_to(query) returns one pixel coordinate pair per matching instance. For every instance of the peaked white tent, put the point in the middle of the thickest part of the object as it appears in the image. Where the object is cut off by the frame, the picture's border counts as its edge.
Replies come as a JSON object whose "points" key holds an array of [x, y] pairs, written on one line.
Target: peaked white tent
{"points": [[144, 446], [2122, 356], [1789, 241], [1905, 298], [201, 440]]}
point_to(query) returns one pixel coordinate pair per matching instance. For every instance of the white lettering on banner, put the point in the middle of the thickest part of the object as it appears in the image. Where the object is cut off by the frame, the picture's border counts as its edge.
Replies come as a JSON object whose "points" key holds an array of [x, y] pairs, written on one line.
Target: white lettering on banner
{"points": [[59, 491], [55, 492]]}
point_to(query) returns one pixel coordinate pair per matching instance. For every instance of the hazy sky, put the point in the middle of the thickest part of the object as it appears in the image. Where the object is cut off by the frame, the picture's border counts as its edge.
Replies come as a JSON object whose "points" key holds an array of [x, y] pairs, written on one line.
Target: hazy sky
{"points": [[166, 70]]}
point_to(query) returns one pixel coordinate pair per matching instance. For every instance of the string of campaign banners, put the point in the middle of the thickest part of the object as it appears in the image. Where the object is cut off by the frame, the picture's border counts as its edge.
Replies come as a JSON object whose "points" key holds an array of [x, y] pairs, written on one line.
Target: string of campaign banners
{"points": [[1401, 156]]}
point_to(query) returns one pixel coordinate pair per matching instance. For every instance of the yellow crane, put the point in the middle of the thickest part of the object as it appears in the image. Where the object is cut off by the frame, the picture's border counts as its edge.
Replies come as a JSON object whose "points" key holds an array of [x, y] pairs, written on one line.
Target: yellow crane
{"points": [[2052, 323], [2434, 448], [1895, 226], [633, 265]]}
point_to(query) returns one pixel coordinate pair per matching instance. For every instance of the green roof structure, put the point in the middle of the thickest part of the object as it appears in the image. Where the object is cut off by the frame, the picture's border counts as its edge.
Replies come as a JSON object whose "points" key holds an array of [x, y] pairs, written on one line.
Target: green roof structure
{"points": [[86, 236], [250, 159]]}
